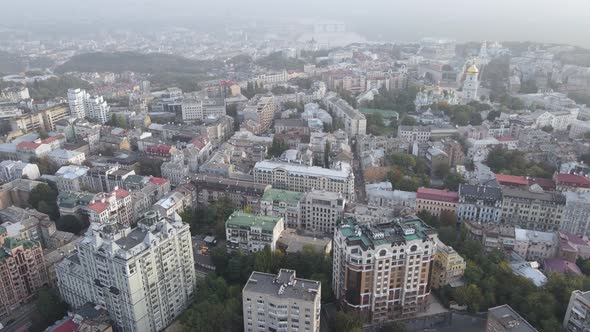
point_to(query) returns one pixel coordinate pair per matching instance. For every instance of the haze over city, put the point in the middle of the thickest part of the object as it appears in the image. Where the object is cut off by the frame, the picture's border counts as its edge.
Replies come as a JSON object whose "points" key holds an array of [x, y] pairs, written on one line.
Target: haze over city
{"points": [[304, 166]]}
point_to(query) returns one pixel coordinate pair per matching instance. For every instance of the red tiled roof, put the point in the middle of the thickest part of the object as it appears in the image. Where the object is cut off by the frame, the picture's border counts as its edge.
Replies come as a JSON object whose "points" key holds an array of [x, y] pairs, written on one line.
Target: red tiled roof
{"points": [[28, 145], [158, 181], [159, 149], [52, 139], [98, 207], [121, 193], [512, 179], [572, 180], [67, 326], [437, 195]]}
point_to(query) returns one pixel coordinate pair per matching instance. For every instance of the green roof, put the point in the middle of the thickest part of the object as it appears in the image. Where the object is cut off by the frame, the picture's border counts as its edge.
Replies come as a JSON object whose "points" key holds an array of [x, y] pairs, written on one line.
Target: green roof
{"points": [[244, 220], [278, 195]]}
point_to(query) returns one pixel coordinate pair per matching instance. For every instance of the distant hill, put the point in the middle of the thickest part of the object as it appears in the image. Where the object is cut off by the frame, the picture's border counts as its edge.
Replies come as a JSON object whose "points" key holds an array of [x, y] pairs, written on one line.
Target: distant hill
{"points": [[153, 63]]}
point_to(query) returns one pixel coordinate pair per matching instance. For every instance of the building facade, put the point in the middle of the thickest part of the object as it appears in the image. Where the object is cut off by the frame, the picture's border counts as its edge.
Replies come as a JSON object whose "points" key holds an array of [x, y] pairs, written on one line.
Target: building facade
{"points": [[144, 277], [479, 203], [448, 266], [251, 233], [304, 178], [533, 208], [281, 302], [383, 270], [577, 315], [436, 201], [321, 211]]}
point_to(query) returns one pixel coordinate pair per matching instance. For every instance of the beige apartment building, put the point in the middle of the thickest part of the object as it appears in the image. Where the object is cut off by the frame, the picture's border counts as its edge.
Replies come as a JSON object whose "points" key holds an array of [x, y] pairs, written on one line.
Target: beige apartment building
{"points": [[281, 302], [448, 266], [382, 270], [533, 208], [303, 178]]}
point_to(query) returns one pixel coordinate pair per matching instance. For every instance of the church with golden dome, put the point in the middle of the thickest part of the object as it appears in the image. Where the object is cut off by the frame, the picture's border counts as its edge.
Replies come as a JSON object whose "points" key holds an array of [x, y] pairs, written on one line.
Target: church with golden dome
{"points": [[471, 84]]}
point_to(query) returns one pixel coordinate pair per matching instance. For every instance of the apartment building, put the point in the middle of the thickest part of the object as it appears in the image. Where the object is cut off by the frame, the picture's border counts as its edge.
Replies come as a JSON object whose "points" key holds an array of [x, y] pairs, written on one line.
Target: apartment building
{"points": [[576, 215], [577, 316], [70, 178], [436, 201], [22, 271], [535, 245], [533, 208], [202, 108], [321, 211], [241, 193], [115, 205], [12, 170], [144, 277], [414, 133], [259, 113], [82, 105], [27, 150], [66, 157], [106, 178], [448, 266], [175, 171], [382, 195], [251, 233], [504, 319], [479, 203], [382, 270], [355, 122], [281, 302], [303, 178], [283, 204]]}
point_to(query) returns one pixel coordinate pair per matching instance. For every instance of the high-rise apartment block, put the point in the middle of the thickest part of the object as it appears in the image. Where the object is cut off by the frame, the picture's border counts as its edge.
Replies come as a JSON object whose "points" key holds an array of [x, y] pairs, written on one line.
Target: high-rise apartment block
{"points": [[281, 302], [22, 271], [144, 277], [259, 113], [82, 105], [382, 270]]}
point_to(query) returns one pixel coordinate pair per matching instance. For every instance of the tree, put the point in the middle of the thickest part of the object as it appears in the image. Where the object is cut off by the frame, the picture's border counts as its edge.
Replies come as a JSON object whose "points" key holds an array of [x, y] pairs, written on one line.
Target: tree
{"points": [[442, 170], [347, 321], [71, 223], [46, 165], [278, 147], [44, 199], [394, 327], [327, 151], [452, 181], [584, 265], [493, 115], [49, 308]]}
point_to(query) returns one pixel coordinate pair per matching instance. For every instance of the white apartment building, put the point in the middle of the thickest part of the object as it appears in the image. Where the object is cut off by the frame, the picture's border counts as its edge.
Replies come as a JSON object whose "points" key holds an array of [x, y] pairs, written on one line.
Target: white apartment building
{"points": [[577, 316], [355, 122], [202, 108], [382, 195], [271, 79], [12, 170], [303, 178], [76, 100], [321, 211], [251, 233], [281, 302], [62, 157], [413, 134], [82, 105], [144, 277], [70, 178]]}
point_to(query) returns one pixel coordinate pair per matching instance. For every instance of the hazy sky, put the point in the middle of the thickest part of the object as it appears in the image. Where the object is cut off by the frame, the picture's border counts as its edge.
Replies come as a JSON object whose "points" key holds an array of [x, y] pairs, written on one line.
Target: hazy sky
{"points": [[565, 21]]}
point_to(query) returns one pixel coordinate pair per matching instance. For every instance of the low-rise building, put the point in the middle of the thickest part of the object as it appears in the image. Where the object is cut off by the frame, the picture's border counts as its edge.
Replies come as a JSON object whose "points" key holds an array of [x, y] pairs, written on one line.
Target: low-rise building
{"points": [[115, 205], [535, 245], [448, 266], [12, 170], [382, 195], [241, 193], [66, 157], [175, 171], [504, 319], [576, 215], [70, 178], [284, 204], [436, 201], [251, 233], [281, 302]]}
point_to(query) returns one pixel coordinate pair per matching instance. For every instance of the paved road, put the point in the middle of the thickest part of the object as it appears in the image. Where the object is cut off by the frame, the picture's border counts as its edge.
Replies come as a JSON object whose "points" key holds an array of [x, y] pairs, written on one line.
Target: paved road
{"points": [[22, 319]]}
